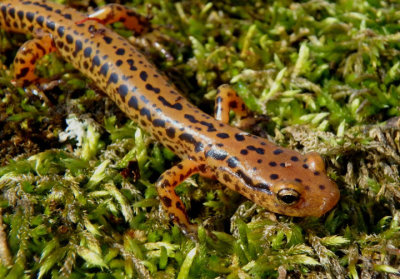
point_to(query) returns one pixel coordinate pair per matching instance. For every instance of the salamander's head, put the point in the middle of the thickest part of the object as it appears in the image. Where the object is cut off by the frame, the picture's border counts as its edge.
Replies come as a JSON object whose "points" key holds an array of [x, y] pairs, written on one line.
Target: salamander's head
{"points": [[286, 182], [302, 188]]}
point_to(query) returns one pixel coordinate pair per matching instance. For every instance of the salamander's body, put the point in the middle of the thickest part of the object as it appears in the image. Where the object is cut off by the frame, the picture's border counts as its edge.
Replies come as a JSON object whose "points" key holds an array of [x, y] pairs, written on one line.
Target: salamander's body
{"points": [[279, 179]]}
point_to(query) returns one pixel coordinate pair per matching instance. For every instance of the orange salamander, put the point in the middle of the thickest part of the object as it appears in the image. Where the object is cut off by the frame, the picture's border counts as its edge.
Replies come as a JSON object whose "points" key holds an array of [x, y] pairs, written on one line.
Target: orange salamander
{"points": [[279, 179]]}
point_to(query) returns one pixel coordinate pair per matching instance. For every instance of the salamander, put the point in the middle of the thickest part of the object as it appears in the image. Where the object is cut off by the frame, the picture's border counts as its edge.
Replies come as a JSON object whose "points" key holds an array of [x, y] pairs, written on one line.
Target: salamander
{"points": [[276, 178]]}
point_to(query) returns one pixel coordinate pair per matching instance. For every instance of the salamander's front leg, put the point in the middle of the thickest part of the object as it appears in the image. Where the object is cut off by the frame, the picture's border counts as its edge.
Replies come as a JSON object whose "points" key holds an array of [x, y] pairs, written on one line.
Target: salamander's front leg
{"points": [[27, 55], [170, 200], [111, 13], [227, 99]]}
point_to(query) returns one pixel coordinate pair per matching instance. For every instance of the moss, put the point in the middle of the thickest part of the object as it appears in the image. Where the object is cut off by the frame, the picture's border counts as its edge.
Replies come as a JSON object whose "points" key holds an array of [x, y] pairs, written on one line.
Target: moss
{"points": [[325, 73]]}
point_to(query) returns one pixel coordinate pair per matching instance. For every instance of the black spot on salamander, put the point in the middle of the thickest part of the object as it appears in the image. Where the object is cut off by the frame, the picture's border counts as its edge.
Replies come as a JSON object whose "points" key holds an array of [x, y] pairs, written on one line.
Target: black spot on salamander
{"points": [[223, 135], [104, 69], [4, 12], [278, 151], [131, 63], [247, 180], [294, 158], [158, 123], [202, 168], [258, 150], [190, 118], [322, 187], [143, 123], [233, 104], [263, 187], [67, 16], [48, 8], [216, 154], [239, 137], [226, 178], [22, 73], [274, 176], [85, 64], [123, 91], [40, 20], [198, 147], [119, 62], [20, 15], [40, 47], [107, 39], [113, 78], [232, 162], [96, 61], [305, 166], [60, 44], [120, 51], [151, 88], [170, 132], [176, 106], [143, 75], [210, 126], [133, 102], [69, 38], [146, 112], [187, 137], [166, 201], [168, 145], [11, 12], [317, 173], [51, 25], [283, 165], [298, 180], [179, 205], [87, 51], [244, 152], [272, 164], [78, 46], [205, 116], [60, 30]]}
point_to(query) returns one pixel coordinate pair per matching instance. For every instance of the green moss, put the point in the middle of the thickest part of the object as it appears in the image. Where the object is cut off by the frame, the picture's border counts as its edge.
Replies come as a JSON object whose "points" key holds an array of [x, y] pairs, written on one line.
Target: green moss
{"points": [[326, 74]]}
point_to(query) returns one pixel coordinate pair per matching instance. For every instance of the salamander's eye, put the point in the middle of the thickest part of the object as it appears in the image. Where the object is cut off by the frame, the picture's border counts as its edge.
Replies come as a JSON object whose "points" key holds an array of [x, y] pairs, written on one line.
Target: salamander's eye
{"points": [[288, 196]]}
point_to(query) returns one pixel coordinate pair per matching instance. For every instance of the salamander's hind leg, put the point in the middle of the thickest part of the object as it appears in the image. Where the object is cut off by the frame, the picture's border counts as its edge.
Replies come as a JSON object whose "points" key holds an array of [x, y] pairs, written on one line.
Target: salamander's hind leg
{"points": [[171, 202], [227, 99], [27, 55], [112, 13]]}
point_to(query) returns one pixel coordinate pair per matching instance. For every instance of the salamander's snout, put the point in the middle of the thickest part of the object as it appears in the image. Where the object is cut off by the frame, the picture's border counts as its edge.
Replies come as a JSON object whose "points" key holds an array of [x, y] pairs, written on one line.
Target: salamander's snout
{"points": [[324, 193]]}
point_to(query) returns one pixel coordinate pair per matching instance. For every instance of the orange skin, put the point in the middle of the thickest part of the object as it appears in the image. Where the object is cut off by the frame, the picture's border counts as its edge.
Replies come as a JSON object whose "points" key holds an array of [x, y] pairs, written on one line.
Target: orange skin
{"points": [[279, 179]]}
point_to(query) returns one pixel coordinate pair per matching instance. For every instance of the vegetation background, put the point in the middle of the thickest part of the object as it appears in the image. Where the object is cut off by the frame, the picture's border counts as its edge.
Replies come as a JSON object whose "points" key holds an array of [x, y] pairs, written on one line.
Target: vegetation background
{"points": [[327, 75]]}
